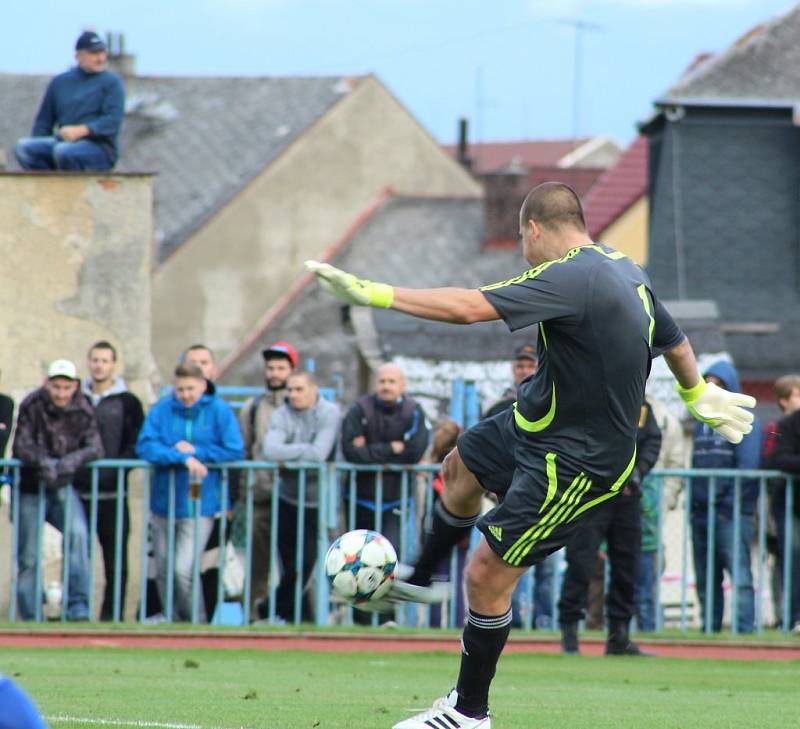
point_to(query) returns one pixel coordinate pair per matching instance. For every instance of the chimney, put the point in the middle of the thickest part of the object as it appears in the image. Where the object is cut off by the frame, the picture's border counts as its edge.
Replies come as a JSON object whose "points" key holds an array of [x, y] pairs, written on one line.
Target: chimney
{"points": [[504, 192], [119, 62], [462, 156]]}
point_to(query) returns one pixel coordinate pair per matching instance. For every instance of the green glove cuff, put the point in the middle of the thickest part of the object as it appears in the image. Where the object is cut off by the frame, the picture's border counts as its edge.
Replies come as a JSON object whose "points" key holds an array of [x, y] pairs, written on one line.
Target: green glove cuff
{"points": [[381, 295], [690, 394]]}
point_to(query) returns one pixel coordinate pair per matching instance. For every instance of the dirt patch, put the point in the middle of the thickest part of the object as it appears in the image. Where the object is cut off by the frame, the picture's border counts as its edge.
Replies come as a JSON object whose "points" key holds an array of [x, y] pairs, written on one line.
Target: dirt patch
{"points": [[357, 643]]}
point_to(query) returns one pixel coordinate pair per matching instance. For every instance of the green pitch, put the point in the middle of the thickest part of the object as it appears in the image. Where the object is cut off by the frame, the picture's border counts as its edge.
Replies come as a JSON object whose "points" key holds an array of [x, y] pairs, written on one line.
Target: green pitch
{"points": [[229, 689]]}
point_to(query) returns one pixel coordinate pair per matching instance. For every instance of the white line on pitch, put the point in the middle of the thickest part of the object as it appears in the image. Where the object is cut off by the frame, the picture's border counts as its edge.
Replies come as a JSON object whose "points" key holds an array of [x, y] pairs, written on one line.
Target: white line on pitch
{"points": [[133, 722]]}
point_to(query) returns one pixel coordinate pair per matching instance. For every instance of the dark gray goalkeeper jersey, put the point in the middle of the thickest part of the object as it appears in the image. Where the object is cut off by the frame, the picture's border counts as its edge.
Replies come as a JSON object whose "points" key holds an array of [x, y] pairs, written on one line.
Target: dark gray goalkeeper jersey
{"points": [[600, 325]]}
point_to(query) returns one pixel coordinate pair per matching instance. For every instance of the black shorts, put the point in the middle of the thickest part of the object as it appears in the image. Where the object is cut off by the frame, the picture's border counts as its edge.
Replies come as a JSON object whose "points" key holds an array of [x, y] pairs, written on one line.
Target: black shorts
{"points": [[542, 497]]}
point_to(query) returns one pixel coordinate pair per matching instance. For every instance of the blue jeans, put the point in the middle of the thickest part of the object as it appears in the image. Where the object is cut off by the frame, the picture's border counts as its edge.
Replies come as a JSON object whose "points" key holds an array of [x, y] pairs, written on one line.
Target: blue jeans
{"points": [[646, 592], [77, 593], [52, 153], [723, 561]]}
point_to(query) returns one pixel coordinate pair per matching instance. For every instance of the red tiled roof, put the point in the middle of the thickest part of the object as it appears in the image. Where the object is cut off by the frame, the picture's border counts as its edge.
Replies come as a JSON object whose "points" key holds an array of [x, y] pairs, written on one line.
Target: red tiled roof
{"points": [[617, 189], [493, 156]]}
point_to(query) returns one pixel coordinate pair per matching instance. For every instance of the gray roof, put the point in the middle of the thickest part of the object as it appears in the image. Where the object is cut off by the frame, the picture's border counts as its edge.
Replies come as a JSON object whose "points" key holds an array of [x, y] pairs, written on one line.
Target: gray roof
{"points": [[763, 64], [205, 137], [431, 242]]}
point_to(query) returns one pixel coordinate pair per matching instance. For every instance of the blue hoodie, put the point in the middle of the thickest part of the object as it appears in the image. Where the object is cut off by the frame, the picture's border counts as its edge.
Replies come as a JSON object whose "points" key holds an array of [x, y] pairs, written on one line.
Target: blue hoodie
{"points": [[211, 427], [711, 450]]}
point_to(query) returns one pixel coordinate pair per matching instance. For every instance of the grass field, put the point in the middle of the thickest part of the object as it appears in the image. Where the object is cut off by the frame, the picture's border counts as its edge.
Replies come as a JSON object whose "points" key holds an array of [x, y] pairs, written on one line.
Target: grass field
{"points": [[213, 689]]}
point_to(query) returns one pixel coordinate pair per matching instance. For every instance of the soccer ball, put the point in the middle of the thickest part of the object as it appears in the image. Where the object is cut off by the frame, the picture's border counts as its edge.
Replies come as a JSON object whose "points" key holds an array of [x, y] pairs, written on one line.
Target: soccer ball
{"points": [[361, 566]]}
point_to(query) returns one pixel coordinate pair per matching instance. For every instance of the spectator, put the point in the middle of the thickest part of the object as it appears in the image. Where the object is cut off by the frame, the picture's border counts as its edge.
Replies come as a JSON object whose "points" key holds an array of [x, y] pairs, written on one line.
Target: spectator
{"points": [[119, 417], [56, 434], [524, 365], [280, 360], [6, 422], [198, 355], [305, 428], [784, 454], [671, 455], [183, 432], [78, 122], [618, 521], [385, 427], [713, 451]]}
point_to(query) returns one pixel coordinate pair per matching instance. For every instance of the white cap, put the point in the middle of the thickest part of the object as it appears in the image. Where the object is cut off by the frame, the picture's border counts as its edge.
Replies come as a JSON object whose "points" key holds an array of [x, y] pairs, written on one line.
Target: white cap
{"points": [[62, 368]]}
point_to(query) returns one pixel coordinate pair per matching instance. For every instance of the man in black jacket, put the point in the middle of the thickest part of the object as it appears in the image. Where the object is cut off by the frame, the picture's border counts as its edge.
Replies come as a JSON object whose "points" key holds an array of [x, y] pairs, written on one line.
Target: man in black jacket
{"points": [[618, 522], [6, 421], [387, 427], [119, 416], [56, 435]]}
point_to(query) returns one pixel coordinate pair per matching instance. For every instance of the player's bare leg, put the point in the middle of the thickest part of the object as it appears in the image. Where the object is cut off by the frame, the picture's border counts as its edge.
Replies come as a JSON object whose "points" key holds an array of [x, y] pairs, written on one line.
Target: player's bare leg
{"points": [[454, 515], [490, 583]]}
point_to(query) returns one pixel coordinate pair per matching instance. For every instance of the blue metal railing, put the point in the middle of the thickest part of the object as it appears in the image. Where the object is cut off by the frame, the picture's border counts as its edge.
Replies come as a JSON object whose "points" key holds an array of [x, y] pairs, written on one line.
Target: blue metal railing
{"points": [[336, 511]]}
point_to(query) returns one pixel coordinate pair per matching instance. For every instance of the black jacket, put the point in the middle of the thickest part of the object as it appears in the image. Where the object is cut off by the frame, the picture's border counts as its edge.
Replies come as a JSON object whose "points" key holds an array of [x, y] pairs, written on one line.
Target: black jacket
{"points": [[6, 420], [381, 423], [648, 446], [54, 442], [119, 417], [785, 456]]}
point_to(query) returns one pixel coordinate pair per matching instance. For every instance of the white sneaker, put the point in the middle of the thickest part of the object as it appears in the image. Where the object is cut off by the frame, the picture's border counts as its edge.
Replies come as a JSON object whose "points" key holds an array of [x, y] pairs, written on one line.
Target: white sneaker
{"points": [[443, 715]]}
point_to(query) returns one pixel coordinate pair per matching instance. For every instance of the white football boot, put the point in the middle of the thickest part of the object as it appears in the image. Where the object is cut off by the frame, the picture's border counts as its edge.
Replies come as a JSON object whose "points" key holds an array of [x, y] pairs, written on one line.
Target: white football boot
{"points": [[443, 715]]}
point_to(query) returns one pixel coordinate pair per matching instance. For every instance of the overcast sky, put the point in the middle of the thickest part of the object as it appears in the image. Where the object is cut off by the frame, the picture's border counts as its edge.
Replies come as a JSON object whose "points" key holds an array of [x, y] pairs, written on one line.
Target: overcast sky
{"points": [[508, 65]]}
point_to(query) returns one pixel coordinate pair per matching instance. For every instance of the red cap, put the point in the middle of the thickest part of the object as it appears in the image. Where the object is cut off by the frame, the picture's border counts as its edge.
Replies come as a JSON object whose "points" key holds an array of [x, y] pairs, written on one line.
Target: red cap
{"points": [[281, 349]]}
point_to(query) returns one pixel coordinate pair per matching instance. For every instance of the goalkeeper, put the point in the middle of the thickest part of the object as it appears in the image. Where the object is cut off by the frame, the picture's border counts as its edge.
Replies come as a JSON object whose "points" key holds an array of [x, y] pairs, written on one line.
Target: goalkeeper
{"points": [[569, 442]]}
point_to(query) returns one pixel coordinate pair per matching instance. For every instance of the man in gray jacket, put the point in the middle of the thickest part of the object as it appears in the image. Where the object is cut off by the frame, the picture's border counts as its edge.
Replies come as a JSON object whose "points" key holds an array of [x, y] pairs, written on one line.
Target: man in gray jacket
{"points": [[280, 360], [304, 429]]}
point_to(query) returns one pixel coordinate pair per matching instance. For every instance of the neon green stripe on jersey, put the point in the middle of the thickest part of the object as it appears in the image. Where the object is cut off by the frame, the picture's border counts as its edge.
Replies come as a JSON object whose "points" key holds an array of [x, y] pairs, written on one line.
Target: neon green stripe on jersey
{"points": [[615, 487], [533, 272], [552, 480], [535, 426], [544, 336], [511, 555], [614, 255], [642, 291], [560, 518]]}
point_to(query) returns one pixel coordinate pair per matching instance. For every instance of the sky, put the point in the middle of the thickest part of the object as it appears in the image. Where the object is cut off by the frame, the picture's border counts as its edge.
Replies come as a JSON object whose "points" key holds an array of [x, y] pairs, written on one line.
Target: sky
{"points": [[511, 67]]}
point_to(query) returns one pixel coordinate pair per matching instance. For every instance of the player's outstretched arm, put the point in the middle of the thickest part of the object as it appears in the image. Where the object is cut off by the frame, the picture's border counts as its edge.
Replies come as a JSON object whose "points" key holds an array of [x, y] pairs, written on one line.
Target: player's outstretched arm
{"points": [[455, 305], [722, 410]]}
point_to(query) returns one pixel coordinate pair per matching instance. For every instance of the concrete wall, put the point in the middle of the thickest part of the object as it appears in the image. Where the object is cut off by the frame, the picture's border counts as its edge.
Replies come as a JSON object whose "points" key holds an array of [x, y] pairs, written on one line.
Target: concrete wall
{"points": [[218, 283], [76, 252], [628, 233]]}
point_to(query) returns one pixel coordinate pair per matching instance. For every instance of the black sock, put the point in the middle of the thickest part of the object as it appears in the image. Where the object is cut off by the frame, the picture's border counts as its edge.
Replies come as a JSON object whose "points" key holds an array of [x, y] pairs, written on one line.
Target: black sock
{"points": [[446, 531], [483, 642]]}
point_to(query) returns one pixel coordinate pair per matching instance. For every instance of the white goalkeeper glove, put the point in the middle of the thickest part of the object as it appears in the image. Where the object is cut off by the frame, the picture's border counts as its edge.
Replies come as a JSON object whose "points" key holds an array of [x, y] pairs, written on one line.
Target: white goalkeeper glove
{"points": [[722, 410], [347, 287]]}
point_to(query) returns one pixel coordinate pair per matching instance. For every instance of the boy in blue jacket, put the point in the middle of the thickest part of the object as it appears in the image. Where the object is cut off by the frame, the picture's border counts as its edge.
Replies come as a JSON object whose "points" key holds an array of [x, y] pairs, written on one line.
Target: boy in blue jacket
{"points": [[182, 433], [713, 451]]}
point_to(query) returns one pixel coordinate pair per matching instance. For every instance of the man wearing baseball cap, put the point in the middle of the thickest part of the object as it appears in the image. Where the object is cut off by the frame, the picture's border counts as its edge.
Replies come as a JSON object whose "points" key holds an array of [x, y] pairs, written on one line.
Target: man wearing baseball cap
{"points": [[280, 360], [56, 434], [79, 119], [524, 364]]}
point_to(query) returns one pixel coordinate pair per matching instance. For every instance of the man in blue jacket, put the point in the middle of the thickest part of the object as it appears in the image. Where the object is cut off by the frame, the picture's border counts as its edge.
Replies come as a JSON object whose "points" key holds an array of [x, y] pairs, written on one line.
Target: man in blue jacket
{"points": [[181, 434], [80, 116], [712, 451]]}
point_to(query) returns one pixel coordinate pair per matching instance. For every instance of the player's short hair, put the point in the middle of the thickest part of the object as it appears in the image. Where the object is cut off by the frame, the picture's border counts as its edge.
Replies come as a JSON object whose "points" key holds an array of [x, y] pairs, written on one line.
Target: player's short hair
{"points": [[103, 344], [554, 205], [189, 370], [784, 386]]}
